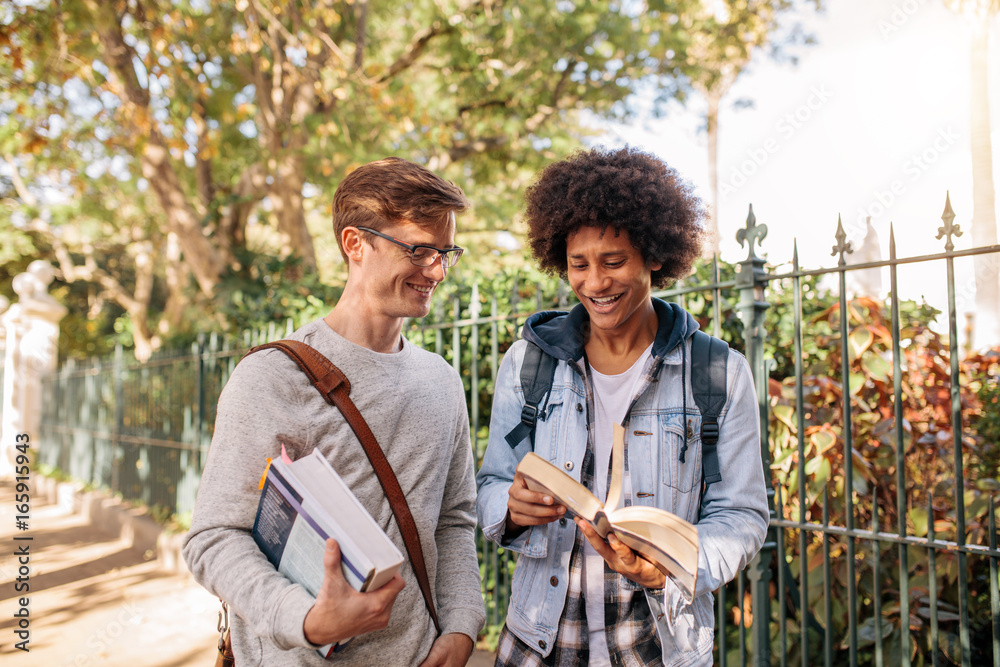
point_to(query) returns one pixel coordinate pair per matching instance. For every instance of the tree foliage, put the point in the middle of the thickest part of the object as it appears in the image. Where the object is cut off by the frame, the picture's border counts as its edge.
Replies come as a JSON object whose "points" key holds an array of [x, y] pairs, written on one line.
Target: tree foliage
{"points": [[152, 148]]}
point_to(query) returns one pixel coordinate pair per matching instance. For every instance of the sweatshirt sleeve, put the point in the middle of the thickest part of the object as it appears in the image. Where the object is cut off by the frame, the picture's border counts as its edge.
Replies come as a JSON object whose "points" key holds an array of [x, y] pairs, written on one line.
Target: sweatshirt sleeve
{"points": [[256, 413], [459, 596]]}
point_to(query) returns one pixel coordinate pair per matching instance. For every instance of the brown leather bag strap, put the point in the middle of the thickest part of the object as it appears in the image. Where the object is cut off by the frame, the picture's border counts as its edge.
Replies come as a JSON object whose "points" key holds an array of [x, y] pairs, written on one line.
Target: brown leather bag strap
{"points": [[331, 382]]}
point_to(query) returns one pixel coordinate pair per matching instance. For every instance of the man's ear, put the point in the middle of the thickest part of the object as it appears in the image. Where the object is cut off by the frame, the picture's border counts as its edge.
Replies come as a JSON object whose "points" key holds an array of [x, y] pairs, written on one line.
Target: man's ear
{"points": [[352, 243]]}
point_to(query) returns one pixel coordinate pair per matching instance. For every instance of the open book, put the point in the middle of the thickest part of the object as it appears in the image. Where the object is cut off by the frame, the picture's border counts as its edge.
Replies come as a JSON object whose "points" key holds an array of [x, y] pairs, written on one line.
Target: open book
{"points": [[303, 503], [664, 539]]}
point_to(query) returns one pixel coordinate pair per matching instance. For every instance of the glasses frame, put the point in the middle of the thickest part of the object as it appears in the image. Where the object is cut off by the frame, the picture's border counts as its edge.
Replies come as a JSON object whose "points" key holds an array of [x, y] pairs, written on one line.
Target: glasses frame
{"points": [[443, 254]]}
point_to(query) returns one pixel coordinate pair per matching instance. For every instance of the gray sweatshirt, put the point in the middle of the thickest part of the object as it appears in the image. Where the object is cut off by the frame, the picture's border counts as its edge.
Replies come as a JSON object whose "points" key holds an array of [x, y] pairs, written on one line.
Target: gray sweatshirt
{"points": [[415, 405]]}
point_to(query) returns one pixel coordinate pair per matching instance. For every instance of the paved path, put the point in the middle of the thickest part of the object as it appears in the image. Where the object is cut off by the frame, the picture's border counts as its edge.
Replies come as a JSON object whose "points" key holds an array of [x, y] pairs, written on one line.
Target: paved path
{"points": [[94, 600]]}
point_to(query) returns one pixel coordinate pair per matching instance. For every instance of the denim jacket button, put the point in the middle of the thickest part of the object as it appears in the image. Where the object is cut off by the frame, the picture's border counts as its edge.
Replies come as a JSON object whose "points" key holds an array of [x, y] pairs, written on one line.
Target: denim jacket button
{"points": [[562, 521], [541, 644], [568, 465], [554, 581], [579, 407]]}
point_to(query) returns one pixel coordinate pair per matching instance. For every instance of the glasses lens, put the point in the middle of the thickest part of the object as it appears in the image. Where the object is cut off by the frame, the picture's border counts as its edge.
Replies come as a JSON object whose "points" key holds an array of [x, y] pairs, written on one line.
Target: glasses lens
{"points": [[450, 257], [426, 256], [423, 256]]}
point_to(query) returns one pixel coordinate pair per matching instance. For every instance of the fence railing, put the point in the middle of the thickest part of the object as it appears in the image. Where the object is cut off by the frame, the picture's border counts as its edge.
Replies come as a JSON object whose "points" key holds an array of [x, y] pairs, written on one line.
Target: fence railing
{"points": [[845, 414]]}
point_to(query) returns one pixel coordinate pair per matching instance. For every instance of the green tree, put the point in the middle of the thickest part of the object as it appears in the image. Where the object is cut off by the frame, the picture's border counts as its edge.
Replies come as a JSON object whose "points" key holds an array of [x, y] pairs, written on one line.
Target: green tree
{"points": [[200, 129], [722, 37], [154, 148]]}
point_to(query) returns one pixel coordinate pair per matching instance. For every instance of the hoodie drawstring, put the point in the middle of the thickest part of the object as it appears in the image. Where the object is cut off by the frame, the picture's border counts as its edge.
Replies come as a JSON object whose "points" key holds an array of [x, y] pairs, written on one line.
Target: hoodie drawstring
{"points": [[684, 393]]}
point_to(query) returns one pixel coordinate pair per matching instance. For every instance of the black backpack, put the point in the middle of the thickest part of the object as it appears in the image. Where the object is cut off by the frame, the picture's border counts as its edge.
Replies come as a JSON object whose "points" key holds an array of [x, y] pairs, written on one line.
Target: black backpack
{"points": [[709, 357]]}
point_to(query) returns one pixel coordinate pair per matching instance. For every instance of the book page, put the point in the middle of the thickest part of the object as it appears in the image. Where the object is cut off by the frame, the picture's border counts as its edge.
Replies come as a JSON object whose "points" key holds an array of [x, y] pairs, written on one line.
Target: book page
{"points": [[544, 477], [615, 495], [661, 537], [684, 572]]}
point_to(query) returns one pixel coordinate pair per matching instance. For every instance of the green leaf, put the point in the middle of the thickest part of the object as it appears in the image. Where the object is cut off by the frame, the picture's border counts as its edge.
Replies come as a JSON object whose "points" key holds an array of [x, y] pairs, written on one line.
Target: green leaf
{"points": [[951, 645], [822, 441], [989, 485], [785, 414], [814, 464], [824, 470], [793, 479], [859, 483], [976, 505], [878, 367], [860, 340], [868, 631], [918, 521]]}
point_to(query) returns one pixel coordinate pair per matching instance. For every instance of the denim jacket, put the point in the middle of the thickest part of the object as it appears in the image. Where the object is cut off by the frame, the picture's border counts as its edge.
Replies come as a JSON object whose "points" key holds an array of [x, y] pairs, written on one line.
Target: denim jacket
{"points": [[731, 515]]}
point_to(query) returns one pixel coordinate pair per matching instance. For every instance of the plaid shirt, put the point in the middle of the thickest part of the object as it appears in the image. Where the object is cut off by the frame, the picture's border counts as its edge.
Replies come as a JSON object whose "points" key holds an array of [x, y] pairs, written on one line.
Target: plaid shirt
{"points": [[630, 630]]}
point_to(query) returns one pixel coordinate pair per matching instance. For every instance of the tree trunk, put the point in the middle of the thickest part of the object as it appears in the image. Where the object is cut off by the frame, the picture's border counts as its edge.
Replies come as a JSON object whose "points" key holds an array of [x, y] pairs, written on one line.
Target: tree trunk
{"points": [[286, 198], [712, 236], [984, 219], [203, 258], [177, 278], [138, 307]]}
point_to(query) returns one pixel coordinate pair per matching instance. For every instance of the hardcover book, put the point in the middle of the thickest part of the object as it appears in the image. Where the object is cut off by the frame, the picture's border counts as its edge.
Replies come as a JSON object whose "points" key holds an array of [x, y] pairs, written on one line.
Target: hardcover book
{"points": [[664, 539], [304, 502]]}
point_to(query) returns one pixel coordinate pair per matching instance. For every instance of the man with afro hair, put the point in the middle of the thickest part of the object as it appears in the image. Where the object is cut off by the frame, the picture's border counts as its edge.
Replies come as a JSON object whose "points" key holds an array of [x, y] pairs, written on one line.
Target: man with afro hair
{"points": [[616, 224]]}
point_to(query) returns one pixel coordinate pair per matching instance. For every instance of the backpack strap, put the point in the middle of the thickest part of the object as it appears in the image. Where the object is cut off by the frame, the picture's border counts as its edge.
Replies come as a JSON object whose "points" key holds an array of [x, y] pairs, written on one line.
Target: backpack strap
{"points": [[538, 370], [709, 357], [331, 382]]}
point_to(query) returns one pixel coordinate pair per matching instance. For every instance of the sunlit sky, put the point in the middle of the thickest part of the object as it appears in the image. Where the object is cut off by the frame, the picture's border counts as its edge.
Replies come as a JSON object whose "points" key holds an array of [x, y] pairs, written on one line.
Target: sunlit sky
{"points": [[880, 103]]}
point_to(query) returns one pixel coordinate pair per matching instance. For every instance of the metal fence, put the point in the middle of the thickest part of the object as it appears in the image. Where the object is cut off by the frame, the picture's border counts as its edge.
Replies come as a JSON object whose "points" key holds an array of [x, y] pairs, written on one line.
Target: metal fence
{"points": [[837, 582], [141, 430]]}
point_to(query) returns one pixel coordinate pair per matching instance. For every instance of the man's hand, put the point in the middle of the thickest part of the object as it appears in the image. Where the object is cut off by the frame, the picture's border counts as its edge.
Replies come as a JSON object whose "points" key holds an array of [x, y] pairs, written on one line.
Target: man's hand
{"points": [[529, 508], [450, 650], [340, 612], [623, 560]]}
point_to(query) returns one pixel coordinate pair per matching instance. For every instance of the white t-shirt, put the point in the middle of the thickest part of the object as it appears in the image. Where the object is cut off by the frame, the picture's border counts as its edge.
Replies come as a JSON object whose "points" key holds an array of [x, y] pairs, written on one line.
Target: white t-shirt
{"points": [[612, 396]]}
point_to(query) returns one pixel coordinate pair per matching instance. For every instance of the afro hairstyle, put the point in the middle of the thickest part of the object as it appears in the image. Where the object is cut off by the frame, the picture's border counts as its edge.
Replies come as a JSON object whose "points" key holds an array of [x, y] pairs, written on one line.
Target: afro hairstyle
{"points": [[624, 189]]}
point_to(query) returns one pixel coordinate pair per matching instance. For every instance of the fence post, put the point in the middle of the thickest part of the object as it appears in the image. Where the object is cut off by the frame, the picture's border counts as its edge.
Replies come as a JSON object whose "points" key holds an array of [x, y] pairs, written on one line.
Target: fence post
{"points": [[750, 283], [199, 425], [118, 426]]}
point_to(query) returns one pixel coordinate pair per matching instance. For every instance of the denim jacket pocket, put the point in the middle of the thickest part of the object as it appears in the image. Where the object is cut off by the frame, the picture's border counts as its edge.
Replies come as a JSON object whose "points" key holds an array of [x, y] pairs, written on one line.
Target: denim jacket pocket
{"points": [[683, 476], [548, 428]]}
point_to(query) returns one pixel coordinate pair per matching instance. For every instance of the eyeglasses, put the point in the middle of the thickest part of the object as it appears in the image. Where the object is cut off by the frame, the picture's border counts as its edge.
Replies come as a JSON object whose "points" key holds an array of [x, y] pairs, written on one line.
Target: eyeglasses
{"points": [[423, 255]]}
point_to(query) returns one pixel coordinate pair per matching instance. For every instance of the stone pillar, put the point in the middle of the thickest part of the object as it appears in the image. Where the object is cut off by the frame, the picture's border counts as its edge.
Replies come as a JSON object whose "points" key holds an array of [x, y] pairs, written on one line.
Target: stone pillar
{"points": [[4, 305], [32, 335]]}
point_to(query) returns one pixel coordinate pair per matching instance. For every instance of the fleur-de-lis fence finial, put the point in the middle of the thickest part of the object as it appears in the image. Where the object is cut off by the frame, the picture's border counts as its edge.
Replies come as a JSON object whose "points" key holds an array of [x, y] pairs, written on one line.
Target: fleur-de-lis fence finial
{"points": [[843, 245], [949, 229], [751, 233]]}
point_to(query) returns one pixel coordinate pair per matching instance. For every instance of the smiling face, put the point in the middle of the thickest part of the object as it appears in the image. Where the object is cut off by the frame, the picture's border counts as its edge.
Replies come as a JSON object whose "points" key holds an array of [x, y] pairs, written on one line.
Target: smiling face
{"points": [[393, 287], [610, 278]]}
